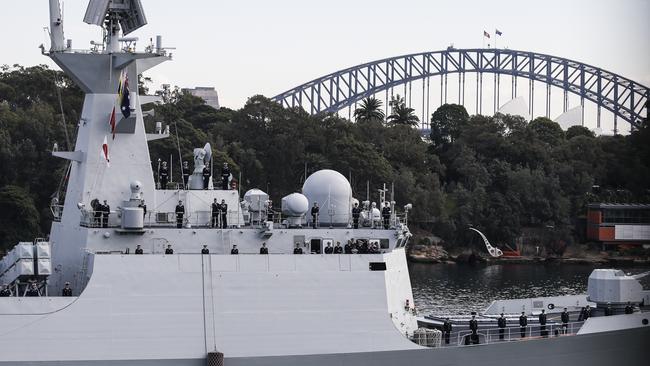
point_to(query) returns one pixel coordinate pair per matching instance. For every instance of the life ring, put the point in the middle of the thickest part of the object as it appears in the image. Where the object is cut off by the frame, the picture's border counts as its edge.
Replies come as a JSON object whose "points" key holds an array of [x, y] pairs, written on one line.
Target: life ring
{"points": [[551, 306], [374, 247]]}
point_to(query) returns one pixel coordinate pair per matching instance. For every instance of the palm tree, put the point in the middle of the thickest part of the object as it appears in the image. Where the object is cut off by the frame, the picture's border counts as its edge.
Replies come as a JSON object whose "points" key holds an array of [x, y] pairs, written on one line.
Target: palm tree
{"points": [[401, 114], [370, 109]]}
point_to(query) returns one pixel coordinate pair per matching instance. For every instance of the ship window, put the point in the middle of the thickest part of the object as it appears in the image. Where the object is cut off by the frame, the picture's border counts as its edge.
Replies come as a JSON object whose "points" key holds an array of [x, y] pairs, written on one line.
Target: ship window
{"points": [[162, 217], [299, 239], [377, 266], [384, 243], [538, 304], [314, 246]]}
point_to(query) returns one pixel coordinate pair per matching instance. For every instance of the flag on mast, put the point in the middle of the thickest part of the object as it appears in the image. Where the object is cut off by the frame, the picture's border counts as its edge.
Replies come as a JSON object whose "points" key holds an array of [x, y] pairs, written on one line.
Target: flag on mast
{"points": [[486, 34], [105, 151], [124, 96], [498, 32], [111, 122]]}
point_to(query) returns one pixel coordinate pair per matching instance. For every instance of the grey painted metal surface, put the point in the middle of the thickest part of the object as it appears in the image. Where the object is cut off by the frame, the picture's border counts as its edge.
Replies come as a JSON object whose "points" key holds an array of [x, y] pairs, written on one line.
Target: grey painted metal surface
{"points": [[625, 98], [595, 350]]}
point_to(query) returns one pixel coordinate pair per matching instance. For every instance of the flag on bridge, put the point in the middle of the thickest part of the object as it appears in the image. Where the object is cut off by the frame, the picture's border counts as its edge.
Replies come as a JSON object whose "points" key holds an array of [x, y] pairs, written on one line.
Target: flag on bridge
{"points": [[486, 34], [498, 32], [105, 151]]}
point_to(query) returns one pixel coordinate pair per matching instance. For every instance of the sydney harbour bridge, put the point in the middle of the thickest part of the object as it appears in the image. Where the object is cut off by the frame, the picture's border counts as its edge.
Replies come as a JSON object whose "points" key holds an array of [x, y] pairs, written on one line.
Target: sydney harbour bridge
{"points": [[604, 91]]}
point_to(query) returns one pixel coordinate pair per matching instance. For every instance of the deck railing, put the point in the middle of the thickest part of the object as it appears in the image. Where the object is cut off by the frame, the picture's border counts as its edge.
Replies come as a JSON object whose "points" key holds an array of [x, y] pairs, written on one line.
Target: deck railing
{"points": [[493, 335]]}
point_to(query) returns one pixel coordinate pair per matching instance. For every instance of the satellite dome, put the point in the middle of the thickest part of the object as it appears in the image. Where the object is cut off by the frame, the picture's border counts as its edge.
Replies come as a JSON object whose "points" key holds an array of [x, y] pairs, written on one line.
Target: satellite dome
{"points": [[256, 199], [295, 205], [332, 191]]}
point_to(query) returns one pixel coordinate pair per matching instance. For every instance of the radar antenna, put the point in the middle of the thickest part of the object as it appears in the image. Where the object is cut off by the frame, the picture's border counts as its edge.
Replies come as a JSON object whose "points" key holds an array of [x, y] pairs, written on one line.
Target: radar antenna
{"points": [[112, 15]]}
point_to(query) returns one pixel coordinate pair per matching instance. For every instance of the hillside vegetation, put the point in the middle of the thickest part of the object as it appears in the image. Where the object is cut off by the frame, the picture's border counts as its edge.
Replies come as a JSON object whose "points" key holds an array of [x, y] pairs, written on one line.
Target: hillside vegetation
{"points": [[500, 174]]}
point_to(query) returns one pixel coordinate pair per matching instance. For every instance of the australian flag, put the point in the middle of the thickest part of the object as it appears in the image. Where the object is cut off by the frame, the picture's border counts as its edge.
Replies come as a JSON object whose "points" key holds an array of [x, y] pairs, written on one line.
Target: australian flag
{"points": [[125, 97]]}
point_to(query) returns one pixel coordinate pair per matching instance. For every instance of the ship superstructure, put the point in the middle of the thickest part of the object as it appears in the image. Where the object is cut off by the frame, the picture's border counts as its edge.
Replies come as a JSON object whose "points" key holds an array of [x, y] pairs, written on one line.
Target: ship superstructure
{"points": [[280, 308]]}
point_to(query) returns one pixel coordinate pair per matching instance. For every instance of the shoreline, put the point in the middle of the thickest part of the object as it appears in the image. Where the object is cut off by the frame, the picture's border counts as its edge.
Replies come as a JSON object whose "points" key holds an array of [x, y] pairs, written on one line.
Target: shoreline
{"points": [[478, 259]]}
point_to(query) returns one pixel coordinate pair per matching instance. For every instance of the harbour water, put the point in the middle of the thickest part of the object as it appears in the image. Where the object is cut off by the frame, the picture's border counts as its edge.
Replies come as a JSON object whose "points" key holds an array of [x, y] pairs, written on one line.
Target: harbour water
{"points": [[460, 289]]}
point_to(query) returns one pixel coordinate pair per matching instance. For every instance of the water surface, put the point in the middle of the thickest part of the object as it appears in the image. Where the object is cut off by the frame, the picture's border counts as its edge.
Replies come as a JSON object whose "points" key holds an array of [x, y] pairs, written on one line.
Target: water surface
{"points": [[460, 289]]}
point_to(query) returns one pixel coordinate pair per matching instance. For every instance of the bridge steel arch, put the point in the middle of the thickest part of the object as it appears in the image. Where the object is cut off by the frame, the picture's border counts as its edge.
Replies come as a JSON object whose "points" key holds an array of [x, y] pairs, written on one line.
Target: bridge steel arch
{"points": [[625, 98]]}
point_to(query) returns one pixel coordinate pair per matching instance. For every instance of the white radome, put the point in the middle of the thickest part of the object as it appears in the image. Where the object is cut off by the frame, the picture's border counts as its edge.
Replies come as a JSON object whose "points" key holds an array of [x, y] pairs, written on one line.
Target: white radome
{"points": [[333, 193], [256, 199], [295, 205]]}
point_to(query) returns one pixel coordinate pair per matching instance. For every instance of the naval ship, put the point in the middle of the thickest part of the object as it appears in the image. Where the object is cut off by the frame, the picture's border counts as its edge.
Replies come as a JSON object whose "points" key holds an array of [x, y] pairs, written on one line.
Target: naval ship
{"points": [[193, 307]]}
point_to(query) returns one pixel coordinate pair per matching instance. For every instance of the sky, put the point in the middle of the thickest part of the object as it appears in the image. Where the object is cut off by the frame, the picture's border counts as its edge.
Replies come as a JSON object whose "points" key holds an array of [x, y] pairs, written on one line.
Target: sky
{"points": [[249, 47]]}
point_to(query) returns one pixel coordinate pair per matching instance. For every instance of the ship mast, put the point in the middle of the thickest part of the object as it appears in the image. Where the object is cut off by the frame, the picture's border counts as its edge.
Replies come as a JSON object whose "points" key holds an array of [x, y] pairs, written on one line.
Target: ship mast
{"points": [[56, 27]]}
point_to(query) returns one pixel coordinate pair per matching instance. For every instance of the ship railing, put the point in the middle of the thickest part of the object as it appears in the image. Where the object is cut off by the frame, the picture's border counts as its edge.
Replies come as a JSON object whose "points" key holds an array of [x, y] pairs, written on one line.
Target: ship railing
{"points": [[493, 335], [191, 218], [97, 219]]}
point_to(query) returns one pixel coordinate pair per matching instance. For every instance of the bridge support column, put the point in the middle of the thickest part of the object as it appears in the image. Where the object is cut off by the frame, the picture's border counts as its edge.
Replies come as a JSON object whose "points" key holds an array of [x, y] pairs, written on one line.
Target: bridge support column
{"points": [[446, 88], [548, 100], [582, 112], [477, 93], [424, 116], [428, 97], [463, 95], [494, 95], [480, 92], [498, 92]]}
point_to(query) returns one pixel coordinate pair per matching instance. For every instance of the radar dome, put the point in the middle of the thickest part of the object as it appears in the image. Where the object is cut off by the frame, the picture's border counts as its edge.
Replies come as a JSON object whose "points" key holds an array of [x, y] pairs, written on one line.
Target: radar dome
{"points": [[256, 199], [295, 205], [332, 191]]}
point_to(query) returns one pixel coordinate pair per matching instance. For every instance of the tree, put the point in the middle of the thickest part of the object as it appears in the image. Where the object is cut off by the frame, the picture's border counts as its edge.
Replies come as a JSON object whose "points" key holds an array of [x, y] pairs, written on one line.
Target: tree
{"points": [[574, 131], [369, 110], [547, 130], [446, 123], [19, 217], [401, 114]]}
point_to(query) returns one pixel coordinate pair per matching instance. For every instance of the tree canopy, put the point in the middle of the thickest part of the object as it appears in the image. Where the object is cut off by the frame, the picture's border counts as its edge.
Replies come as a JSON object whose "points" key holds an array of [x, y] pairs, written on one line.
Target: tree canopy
{"points": [[498, 173]]}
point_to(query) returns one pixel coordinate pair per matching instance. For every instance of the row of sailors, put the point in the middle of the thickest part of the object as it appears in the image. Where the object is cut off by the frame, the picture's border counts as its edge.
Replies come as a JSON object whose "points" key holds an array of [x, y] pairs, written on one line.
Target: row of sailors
{"points": [[220, 213], [33, 291], [352, 247], [565, 317], [163, 176]]}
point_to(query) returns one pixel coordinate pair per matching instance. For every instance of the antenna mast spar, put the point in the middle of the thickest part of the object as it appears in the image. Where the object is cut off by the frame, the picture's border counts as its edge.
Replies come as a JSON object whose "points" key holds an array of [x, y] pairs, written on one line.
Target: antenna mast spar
{"points": [[57, 39]]}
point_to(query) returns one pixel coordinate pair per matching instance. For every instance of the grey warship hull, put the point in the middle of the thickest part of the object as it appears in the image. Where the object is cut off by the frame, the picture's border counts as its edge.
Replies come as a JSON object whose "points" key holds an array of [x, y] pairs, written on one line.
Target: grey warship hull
{"points": [[591, 349]]}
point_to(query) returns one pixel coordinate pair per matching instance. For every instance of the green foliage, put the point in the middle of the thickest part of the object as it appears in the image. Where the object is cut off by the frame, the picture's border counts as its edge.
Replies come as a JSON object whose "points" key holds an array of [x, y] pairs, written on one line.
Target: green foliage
{"points": [[547, 131], [19, 217], [499, 174], [574, 131], [369, 110], [446, 124], [401, 114]]}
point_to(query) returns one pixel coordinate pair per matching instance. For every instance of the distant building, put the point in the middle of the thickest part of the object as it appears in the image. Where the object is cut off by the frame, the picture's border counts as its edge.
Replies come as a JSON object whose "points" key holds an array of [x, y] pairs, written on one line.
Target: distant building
{"points": [[208, 94], [618, 223]]}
